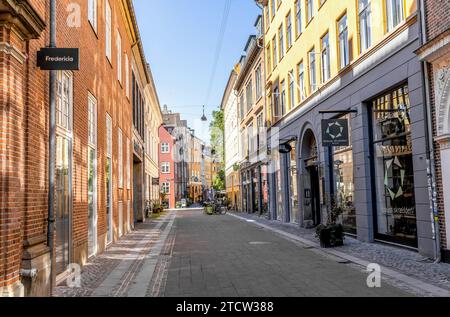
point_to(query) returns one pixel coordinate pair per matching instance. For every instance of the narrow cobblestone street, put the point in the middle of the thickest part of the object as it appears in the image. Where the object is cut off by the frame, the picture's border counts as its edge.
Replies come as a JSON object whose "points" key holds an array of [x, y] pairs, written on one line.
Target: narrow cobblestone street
{"points": [[187, 253]]}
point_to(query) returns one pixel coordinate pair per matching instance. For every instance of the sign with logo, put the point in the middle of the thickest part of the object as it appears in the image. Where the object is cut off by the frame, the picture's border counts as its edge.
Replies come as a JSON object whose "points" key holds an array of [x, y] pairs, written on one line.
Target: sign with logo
{"points": [[335, 132], [285, 148], [155, 181], [58, 59]]}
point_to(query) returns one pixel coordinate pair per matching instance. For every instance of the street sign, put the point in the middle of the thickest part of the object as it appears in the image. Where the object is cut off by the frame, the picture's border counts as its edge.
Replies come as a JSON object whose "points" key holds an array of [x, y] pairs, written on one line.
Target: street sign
{"points": [[335, 132], [58, 58]]}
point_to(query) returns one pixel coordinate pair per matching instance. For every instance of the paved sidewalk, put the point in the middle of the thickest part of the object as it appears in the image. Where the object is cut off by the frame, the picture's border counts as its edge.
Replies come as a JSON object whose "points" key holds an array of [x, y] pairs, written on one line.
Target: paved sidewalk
{"points": [[400, 260], [130, 267]]}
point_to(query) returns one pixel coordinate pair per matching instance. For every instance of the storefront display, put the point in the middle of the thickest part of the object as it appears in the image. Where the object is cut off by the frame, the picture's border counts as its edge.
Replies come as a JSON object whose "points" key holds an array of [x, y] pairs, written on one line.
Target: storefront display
{"points": [[293, 188], [342, 160], [393, 165]]}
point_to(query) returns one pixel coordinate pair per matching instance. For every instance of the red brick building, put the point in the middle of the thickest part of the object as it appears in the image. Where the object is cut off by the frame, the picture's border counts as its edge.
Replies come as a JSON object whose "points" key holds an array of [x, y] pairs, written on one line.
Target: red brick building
{"points": [[435, 52], [167, 167], [94, 148]]}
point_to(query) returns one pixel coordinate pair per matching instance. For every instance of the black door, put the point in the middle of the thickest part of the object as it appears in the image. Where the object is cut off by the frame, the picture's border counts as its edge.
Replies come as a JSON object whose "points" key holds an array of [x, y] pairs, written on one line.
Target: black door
{"points": [[315, 194]]}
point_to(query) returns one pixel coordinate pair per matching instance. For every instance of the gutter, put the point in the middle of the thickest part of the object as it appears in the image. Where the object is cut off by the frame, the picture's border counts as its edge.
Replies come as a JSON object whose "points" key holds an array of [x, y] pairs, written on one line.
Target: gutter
{"points": [[431, 166]]}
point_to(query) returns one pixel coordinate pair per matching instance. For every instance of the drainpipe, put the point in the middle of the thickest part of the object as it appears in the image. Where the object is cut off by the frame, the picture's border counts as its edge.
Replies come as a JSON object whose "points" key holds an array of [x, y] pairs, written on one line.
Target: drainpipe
{"points": [[52, 148], [431, 167]]}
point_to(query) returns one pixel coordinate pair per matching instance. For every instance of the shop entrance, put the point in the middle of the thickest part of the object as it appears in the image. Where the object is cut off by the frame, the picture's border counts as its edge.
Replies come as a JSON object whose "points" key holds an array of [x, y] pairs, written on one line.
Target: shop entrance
{"points": [[137, 190], [311, 181]]}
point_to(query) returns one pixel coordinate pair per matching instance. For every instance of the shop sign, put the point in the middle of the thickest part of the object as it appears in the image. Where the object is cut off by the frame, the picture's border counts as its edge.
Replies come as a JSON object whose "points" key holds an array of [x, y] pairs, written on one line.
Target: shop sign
{"points": [[58, 58], [335, 132], [285, 148], [155, 181]]}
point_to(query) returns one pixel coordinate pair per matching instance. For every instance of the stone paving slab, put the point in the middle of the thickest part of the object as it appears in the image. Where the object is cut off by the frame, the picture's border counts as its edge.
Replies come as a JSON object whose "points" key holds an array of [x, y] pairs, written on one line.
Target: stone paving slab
{"points": [[400, 260], [222, 255]]}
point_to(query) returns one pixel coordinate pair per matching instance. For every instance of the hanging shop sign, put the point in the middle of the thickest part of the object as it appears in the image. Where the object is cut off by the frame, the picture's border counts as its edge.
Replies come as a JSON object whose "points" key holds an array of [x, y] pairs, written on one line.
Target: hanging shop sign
{"points": [[58, 58], [285, 148], [155, 181], [335, 132]]}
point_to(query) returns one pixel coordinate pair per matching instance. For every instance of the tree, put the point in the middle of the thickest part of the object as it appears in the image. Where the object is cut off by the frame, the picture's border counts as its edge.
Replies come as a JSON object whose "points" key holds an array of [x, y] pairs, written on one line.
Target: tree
{"points": [[217, 128]]}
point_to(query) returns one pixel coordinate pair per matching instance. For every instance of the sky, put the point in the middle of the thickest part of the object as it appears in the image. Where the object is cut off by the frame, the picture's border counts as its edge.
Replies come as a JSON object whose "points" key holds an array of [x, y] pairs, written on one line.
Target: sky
{"points": [[180, 39]]}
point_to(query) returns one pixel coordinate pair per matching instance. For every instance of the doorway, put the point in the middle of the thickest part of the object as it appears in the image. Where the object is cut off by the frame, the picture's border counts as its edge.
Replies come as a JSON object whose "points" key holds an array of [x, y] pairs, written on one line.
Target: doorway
{"points": [[137, 191], [311, 181]]}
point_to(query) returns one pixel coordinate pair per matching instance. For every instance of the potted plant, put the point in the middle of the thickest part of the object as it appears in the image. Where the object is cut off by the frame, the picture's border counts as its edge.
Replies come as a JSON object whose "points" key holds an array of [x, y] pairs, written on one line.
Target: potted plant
{"points": [[332, 234]]}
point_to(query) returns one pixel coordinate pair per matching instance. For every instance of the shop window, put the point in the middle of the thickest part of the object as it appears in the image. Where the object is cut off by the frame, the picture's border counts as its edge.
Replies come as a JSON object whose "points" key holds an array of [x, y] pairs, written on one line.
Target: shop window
{"points": [[343, 184], [393, 164]]}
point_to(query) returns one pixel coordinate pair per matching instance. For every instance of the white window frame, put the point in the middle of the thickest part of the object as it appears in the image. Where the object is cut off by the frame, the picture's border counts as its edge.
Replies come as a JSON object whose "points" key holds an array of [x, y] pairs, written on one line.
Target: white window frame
{"points": [[165, 148], [395, 13], [365, 24], [166, 188], [64, 101], [120, 156], [127, 76], [119, 56], [108, 136], [93, 14], [92, 120], [108, 30], [312, 71], [344, 54], [165, 167], [301, 81], [325, 57], [128, 165]]}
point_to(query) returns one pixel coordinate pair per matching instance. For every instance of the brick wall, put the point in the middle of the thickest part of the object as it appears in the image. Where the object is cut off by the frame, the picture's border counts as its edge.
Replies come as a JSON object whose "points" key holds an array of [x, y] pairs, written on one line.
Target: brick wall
{"points": [[437, 158], [437, 17], [24, 134]]}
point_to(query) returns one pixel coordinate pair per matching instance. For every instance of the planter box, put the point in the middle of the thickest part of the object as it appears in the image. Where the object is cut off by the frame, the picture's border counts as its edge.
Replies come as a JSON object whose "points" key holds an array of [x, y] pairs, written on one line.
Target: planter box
{"points": [[331, 236]]}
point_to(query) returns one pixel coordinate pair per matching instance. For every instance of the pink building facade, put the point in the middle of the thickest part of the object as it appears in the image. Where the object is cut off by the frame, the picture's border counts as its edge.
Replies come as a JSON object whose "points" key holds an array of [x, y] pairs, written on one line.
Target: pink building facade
{"points": [[166, 168]]}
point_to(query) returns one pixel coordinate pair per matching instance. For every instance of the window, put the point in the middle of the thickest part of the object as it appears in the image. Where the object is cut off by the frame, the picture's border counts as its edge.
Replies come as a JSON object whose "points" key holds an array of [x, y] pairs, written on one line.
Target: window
{"points": [[301, 81], [128, 165], [343, 42], [365, 32], [258, 78], [291, 90], [108, 136], [241, 106], [266, 15], [250, 136], [92, 120], [64, 100], [275, 51], [276, 102], [325, 58], [261, 130], [108, 27], [289, 30], [281, 40], [165, 188], [273, 8], [394, 167], [119, 57], [165, 167], [92, 13], [283, 98], [312, 71], [165, 148], [127, 76], [298, 18], [249, 95], [269, 58], [120, 158], [310, 9], [394, 13]]}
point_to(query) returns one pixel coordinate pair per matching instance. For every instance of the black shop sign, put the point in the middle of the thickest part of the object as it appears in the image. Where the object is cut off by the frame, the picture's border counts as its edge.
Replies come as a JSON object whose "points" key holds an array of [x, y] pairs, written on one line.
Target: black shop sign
{"points": [[335, 132], [58, 59]]}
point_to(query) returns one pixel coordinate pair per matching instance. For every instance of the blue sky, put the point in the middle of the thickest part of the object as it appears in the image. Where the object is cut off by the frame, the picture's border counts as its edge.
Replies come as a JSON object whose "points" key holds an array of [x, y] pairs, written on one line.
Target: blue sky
{"points": [[180, 39]]}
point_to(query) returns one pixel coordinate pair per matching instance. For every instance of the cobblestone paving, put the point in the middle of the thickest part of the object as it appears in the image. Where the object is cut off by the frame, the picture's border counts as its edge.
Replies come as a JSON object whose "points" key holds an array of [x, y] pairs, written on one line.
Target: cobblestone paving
{"points": [[402, 260], [222, 256], [130, 253]]}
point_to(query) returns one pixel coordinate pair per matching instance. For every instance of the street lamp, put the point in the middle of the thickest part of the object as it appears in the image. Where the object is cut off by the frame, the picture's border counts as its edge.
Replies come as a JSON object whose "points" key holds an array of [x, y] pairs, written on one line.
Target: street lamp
{"points": [[204, 118]]}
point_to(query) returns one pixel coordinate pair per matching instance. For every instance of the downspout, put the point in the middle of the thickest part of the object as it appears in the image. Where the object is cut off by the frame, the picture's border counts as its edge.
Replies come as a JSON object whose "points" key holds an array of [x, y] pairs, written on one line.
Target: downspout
{"points": [[52, 149], [431, 166]]}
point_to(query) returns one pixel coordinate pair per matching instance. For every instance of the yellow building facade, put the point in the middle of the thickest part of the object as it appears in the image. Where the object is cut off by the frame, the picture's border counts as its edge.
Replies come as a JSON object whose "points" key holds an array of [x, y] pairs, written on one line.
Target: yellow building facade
{"points": [[313, 24]]}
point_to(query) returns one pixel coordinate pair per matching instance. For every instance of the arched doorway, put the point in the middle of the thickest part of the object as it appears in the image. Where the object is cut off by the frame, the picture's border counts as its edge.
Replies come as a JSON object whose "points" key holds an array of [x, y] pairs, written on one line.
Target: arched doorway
{"points": [[311, 180]]}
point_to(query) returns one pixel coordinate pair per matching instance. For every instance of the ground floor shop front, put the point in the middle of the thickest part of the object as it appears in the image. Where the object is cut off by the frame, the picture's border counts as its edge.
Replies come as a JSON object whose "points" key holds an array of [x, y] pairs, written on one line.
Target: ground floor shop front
{"points": [[254, 189], [379, 179]]}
